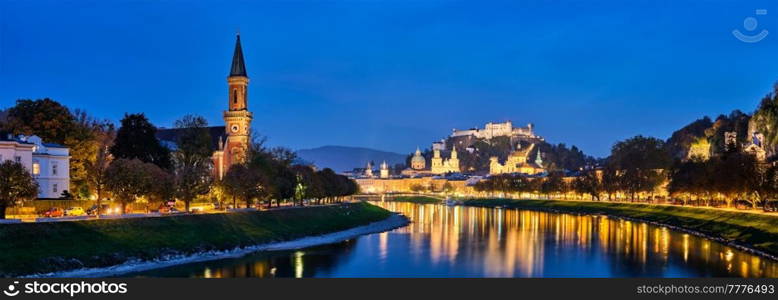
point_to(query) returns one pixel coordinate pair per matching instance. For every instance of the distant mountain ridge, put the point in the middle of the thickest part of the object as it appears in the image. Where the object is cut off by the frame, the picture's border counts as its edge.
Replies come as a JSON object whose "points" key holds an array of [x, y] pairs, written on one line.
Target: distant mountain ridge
{"points": [[344, 158]]}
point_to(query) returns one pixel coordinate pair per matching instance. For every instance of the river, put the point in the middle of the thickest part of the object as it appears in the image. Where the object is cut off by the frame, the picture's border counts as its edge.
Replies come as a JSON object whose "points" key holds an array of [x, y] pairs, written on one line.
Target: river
{"points": [[458, 241]]}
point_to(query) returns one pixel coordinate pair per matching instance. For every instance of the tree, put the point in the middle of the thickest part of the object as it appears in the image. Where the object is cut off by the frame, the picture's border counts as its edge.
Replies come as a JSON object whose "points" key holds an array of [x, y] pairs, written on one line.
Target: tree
{"points": [[242, 183], [330, 181], [765, 119], [693, 177], [97, 167], [769, 185], [611, 181], [588, 183], [128, 179], [136, 140], [305, 183], [553, 183], [418, 188], [639, 161], [162, 184], [735, 175], [46, 118], [16, 183], [272, 166], [55, 123], [192, 159], [284, 183]]}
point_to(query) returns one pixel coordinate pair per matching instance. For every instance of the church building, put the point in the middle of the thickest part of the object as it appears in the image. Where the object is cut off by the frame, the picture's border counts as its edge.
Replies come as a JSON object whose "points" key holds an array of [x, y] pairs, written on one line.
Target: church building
{"points": [[237, 119], [518, 162], [442, 166]]}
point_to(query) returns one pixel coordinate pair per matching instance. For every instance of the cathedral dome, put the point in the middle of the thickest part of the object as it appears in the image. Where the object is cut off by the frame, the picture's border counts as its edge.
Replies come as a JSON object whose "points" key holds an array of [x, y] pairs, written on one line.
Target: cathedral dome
{"points": [[418, 162]]}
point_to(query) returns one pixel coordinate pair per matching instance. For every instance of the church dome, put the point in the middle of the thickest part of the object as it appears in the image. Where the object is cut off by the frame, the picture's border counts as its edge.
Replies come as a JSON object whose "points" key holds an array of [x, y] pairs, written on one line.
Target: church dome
{"points": [[417, 161]]}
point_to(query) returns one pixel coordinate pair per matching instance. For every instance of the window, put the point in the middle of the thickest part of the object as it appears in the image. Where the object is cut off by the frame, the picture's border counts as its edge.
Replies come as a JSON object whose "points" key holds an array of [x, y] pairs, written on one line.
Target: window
{"points": [[235, 96], [18, 159], [36, 168], [54, 169], [54, 188]]}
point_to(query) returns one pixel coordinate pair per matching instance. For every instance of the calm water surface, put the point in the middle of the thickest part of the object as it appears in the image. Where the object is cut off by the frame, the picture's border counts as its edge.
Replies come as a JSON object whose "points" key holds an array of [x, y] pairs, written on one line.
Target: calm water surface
{"points": [[460, 241]]}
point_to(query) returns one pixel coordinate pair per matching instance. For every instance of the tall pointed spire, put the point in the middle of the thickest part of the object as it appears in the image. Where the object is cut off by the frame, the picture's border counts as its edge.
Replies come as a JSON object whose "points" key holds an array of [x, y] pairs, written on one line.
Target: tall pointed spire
{"points": [[539, 160], [238, 66]]}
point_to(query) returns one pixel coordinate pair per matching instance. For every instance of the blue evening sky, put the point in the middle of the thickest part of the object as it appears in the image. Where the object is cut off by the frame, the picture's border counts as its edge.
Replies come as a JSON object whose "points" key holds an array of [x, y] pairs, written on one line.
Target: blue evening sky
{"points": [[392, 75]]}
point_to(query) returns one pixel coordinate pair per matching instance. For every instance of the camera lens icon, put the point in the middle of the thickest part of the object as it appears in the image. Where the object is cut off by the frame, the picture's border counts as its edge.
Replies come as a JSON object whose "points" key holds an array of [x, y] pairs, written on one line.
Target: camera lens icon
{"points": [[750, 24]]}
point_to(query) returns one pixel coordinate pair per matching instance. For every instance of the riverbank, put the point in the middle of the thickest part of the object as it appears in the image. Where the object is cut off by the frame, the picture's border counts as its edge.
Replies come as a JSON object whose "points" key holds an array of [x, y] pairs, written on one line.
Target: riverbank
{"points": [[41, 248], [753, 233], [415, 199]]}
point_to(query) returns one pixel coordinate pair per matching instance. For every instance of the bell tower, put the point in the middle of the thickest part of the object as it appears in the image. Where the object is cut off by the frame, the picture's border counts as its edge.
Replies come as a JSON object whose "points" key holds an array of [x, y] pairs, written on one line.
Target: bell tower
{"points": [[237, 119]]}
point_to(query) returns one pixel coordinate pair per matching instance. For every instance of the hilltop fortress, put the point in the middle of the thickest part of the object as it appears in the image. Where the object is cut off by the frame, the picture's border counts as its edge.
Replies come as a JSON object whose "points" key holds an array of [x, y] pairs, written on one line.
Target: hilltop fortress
{"points": [[491, 130], [465, 138]]}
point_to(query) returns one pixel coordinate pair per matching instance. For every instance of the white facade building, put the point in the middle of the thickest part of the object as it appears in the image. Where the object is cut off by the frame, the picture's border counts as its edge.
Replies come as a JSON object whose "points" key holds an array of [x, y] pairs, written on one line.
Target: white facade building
{"points": [[48, 163], [492, 130], [13, 149]]}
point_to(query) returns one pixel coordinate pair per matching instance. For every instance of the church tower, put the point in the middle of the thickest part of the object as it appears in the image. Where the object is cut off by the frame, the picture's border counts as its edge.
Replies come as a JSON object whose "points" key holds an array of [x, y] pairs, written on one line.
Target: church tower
{"points": [[384, 170], [453, 162], [237, 119]]}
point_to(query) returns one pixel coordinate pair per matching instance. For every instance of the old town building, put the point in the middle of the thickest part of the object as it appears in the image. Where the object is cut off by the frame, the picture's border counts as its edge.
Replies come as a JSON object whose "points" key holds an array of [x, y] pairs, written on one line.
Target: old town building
{"points": [[518, 162], [438, 165]]}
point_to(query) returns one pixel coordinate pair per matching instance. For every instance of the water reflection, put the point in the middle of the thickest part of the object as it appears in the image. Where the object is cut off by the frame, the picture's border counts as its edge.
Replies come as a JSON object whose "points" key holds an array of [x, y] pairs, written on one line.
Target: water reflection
{"points": [[483, 242]]}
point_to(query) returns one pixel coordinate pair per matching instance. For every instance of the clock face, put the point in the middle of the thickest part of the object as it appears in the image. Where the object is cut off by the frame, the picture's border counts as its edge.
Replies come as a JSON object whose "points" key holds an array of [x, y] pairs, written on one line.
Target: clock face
{"points": [[234, 128]]}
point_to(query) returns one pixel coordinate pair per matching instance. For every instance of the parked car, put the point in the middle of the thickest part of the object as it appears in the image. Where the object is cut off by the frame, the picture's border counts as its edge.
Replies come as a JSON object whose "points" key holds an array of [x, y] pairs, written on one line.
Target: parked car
{"points": [[743, 204], [167, 209], [75, 211], [105, 209], [163, 209], [771, 206], [54, 212]]}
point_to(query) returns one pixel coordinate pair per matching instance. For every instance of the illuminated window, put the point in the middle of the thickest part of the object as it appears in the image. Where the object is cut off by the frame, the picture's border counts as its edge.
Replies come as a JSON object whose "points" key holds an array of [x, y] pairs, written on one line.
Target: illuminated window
{"points": [[36, 168]]}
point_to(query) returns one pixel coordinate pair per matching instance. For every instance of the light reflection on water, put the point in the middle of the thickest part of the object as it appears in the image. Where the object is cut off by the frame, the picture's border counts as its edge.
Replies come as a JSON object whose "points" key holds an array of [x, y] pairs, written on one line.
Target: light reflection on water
{"points": [[485, 242]]}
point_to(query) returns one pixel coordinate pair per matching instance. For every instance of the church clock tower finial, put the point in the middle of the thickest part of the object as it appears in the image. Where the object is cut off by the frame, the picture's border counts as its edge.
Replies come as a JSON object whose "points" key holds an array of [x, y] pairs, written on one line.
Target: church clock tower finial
{"points": [[238, 65]]}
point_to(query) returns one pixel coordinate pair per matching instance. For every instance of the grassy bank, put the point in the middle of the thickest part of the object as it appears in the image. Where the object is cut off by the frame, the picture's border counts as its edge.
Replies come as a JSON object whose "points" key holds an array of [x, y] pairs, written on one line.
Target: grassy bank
{"points": [[45, 247], [756, 231], [416, 199]]}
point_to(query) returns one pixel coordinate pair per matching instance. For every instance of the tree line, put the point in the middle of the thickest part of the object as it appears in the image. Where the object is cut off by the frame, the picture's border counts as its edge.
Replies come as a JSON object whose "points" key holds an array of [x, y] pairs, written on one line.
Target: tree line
{"points": [[640, 167], [130, 162], [270, 176]]}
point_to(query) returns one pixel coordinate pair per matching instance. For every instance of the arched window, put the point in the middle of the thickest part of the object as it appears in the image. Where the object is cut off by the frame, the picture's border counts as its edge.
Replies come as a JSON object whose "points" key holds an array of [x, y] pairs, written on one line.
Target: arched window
{"points": [[235, 96]]}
